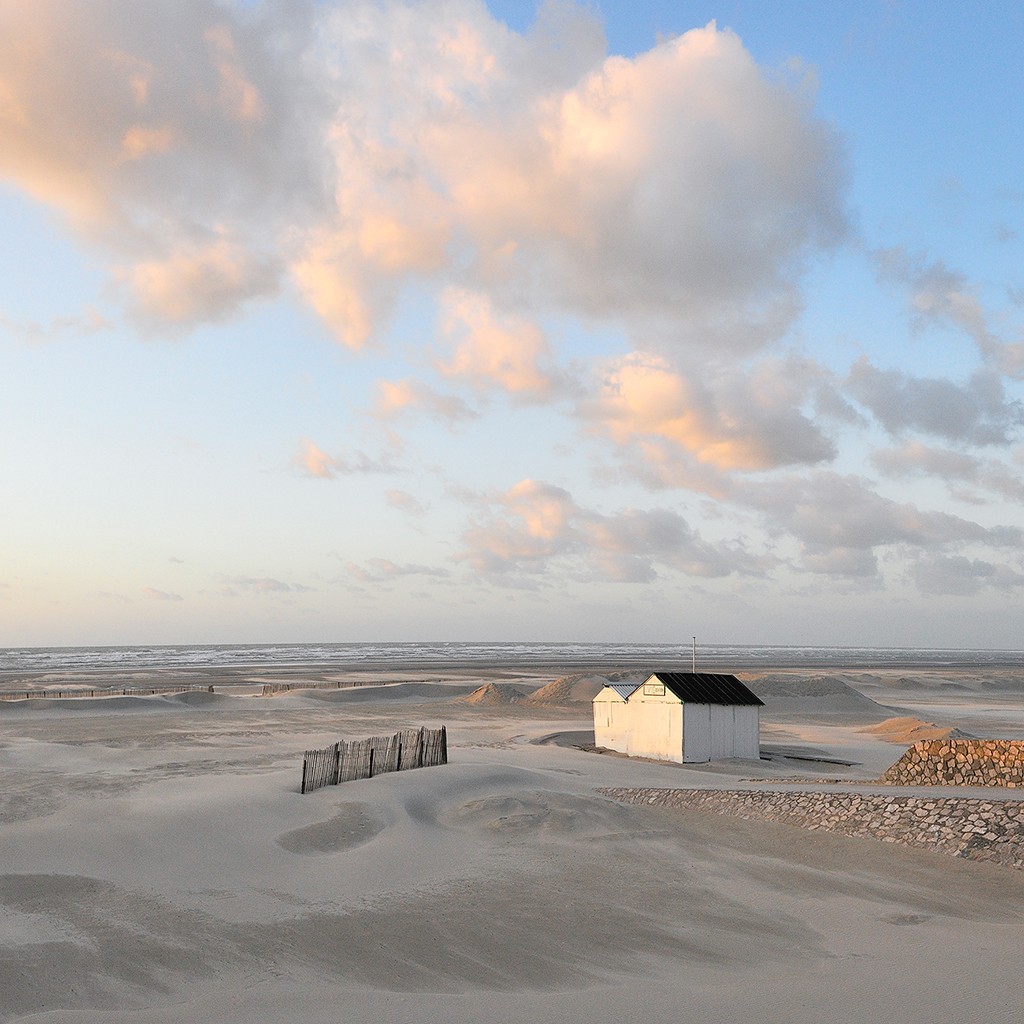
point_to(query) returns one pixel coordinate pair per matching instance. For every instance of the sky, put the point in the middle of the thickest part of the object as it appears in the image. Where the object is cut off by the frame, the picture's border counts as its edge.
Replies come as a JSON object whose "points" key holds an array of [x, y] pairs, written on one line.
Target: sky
{"points": [[447, 320]]}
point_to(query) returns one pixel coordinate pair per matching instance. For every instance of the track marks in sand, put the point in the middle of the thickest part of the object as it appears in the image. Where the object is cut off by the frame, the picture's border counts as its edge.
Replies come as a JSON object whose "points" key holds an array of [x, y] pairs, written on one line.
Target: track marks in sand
{"points": [[558, 815], [538, 931], [353, 825], [103, 946]]}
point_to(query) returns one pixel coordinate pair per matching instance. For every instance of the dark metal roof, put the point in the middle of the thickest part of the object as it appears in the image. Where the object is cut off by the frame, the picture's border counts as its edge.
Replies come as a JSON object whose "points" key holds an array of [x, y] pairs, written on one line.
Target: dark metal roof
{"points": [[708, 688], [625, 690]]}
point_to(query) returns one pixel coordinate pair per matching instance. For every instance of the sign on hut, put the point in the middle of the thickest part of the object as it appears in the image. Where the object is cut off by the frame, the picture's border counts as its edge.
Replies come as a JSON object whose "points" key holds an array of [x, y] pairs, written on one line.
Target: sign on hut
{"points": [[686, 717]]}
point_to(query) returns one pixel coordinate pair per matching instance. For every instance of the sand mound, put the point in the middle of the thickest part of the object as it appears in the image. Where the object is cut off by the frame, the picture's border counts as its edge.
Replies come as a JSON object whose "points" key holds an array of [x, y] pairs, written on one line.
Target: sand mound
{"points": [[554, 814], [814, 695], [396, 692], [492, 694], [910, 730], [198, 698], [86, 705], [357, 823], [573, 689]]}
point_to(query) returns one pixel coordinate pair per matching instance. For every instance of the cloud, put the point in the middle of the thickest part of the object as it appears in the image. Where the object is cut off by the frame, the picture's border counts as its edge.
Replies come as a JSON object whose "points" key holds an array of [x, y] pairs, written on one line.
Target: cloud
{"points": [[936, 291], [212, 149], [160, 595], [535, 523], [733, 418], [833, 517], [494, 350], [32, 332], [607, 198], [915, 458], [205, 282], [378, 570], [535, 526], [313, 461], [405, 502], [856, 563], [177, 140], [961, 576], [630, 545], [396, 398], [939, 294], [976, 413], [264, 585]]}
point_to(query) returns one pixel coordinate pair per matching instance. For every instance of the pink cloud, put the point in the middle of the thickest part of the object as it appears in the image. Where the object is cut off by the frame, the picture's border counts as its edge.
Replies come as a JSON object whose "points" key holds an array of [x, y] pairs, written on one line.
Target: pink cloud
{"points": [[214, 149], [313, 461], [396, 398], [493, 350]]}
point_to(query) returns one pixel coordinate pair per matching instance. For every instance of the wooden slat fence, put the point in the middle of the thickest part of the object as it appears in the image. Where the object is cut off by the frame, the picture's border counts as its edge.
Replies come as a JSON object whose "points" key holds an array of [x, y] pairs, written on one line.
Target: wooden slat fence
{"points": [[126, 691], [346, 761], [270, 689]]}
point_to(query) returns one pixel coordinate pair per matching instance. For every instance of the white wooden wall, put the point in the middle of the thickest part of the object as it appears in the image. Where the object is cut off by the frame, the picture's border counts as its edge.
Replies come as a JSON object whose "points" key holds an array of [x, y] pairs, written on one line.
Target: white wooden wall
{"points": [[661, 727]]}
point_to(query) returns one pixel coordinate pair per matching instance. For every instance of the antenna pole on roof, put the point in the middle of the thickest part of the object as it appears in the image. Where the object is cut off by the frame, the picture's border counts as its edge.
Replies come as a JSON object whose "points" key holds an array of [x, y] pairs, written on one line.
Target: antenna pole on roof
{"points": [[694, 654]]}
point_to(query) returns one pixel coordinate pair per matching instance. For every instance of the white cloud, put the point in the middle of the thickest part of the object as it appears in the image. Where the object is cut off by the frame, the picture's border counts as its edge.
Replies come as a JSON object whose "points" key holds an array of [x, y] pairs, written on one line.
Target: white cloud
{"points": [[205, 282], [397, 398], [209, 148], [536, 526], [313, 461], [727, 418], [174, 138], [493, 350]]}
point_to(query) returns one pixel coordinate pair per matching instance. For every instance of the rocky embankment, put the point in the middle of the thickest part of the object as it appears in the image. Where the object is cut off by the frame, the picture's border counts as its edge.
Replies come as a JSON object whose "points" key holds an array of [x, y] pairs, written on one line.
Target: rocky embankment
{"points": [[990, 830], [960, 762]]}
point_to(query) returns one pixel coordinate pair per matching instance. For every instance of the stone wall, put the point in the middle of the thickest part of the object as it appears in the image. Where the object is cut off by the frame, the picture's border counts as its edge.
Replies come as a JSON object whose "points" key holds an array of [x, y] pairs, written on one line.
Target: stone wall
{"points": [[991, 830], [951, 762]]}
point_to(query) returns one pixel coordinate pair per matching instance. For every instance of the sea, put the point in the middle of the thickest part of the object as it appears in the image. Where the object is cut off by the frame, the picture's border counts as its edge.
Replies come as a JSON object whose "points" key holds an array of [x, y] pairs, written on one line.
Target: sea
{"points": [[16, 661]]}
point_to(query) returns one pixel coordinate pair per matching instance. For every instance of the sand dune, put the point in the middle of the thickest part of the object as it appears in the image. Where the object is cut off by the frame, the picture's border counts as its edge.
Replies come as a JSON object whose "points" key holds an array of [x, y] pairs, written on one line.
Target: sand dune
{"points": [[107, 705], [578, 688], [910, 730], [355, 824], [162, 868], [814, 696], [493, 694]]}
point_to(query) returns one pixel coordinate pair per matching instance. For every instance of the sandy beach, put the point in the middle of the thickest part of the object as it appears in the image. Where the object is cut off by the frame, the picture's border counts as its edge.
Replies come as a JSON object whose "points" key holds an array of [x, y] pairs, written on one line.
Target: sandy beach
{"points": [[160, 865]]}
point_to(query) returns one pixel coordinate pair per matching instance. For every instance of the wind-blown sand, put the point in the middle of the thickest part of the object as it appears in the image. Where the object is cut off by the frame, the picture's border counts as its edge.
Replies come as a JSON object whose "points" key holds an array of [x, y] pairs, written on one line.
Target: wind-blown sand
{"points": [[159, 865], [907, 730]]}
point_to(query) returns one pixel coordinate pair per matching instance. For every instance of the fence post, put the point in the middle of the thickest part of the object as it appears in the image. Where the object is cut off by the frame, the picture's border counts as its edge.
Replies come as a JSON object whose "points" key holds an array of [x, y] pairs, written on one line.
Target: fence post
{"points": [[337, 763], [303, 790]]}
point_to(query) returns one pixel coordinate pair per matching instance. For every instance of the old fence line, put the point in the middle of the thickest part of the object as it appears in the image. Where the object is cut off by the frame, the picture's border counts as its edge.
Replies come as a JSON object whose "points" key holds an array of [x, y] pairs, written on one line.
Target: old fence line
{"points": [[124, 691], [270, 689], [346, 761]]}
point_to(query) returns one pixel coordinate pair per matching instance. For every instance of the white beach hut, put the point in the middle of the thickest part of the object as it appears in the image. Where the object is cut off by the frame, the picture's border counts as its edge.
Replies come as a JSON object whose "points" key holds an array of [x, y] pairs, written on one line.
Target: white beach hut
{"points": [[686, 717]]}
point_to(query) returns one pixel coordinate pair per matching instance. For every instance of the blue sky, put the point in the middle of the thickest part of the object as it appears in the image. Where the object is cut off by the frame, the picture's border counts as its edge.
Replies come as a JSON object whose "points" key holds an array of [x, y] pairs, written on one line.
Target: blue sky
{"points": [[450, 321]]}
